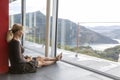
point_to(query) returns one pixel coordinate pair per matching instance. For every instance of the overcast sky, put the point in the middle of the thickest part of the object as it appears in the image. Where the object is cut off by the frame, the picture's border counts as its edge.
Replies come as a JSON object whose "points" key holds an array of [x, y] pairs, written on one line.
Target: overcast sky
{"points": [[90, 10], [78, 10]]}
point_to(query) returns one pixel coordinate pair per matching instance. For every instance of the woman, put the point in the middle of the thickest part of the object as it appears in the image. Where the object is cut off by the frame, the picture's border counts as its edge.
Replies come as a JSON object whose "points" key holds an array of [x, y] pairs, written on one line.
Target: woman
{"points": [[19, 63]]}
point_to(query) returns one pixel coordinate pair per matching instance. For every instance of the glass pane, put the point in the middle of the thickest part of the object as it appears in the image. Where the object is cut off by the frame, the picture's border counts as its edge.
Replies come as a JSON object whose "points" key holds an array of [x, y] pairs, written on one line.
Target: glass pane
{"points": [[35, 25], [15, 12], [88, 33]]}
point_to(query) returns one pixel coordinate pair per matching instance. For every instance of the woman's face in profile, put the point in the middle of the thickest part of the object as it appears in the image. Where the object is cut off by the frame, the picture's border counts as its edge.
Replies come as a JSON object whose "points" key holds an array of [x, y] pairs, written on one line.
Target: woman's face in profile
{"points": [[20, 33]]}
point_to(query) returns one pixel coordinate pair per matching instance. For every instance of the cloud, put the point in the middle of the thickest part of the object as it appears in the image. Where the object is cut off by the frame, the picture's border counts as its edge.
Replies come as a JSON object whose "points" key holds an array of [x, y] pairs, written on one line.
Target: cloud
{"points": [[31, 6]]}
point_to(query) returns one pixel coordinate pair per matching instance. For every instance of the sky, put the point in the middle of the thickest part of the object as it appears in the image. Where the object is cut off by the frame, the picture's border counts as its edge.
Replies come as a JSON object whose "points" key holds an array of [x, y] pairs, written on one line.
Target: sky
{"points": [[86, 12], [31, 6], [90, 11]]}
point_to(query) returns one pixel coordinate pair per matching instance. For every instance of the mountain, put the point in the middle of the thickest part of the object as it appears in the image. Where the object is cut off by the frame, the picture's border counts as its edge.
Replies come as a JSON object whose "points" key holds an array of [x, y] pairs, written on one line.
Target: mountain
{"points": [[109, 31], [67, 30], [94, 37]]}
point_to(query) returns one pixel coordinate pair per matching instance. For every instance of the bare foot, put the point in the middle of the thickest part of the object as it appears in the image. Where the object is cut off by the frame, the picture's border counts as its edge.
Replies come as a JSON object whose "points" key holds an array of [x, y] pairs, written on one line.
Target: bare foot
{"points": [[59, 57]]}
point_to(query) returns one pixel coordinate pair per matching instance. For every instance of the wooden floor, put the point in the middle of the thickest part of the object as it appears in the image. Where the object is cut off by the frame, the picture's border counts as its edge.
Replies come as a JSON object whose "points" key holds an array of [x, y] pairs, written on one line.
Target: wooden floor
{"points": [[58, 71]]}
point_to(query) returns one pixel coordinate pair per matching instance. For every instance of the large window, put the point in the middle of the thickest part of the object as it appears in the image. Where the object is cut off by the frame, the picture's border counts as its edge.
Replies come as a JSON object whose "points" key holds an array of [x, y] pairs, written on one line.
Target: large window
{"points": [[87, 30], [88, 33], [35, 24]]}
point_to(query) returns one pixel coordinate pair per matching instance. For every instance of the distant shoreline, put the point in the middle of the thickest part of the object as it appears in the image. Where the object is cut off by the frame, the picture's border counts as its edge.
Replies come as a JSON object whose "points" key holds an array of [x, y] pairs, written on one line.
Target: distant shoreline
{"points": [[102, 47]]}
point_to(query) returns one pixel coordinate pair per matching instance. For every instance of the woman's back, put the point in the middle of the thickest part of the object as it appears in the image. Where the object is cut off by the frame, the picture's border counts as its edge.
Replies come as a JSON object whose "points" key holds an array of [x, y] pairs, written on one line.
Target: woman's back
{"points": [[15, 52]]}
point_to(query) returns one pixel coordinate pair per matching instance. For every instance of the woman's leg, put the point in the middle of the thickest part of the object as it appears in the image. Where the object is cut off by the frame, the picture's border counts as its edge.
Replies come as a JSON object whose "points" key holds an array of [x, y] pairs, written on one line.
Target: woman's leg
{"points": [[57, 58], [44, 61]]}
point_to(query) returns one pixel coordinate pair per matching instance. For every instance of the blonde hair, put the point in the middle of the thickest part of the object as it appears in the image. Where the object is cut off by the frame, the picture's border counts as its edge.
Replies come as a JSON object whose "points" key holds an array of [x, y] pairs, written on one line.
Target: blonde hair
{"points": [[16, 27], [10, 33]]}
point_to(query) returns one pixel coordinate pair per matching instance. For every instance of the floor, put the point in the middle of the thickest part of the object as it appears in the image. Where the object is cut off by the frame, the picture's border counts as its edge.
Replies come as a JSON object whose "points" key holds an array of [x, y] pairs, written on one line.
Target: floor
{"points": [[64, 71], [58, 71]]}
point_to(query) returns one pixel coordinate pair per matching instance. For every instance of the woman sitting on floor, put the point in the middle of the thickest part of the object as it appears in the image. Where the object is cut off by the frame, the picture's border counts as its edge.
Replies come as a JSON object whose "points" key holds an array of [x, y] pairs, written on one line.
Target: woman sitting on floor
{"points": [[20, 63]]}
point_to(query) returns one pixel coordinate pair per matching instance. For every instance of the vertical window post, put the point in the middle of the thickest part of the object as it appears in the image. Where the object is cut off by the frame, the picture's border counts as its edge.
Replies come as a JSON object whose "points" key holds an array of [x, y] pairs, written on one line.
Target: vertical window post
{"points": [[47, 40], [54, 27], [23, 12]]}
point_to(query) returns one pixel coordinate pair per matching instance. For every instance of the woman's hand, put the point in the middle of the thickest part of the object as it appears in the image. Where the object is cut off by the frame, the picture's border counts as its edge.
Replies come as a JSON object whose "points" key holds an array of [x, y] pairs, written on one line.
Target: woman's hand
{"points": [[28, 58]]}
